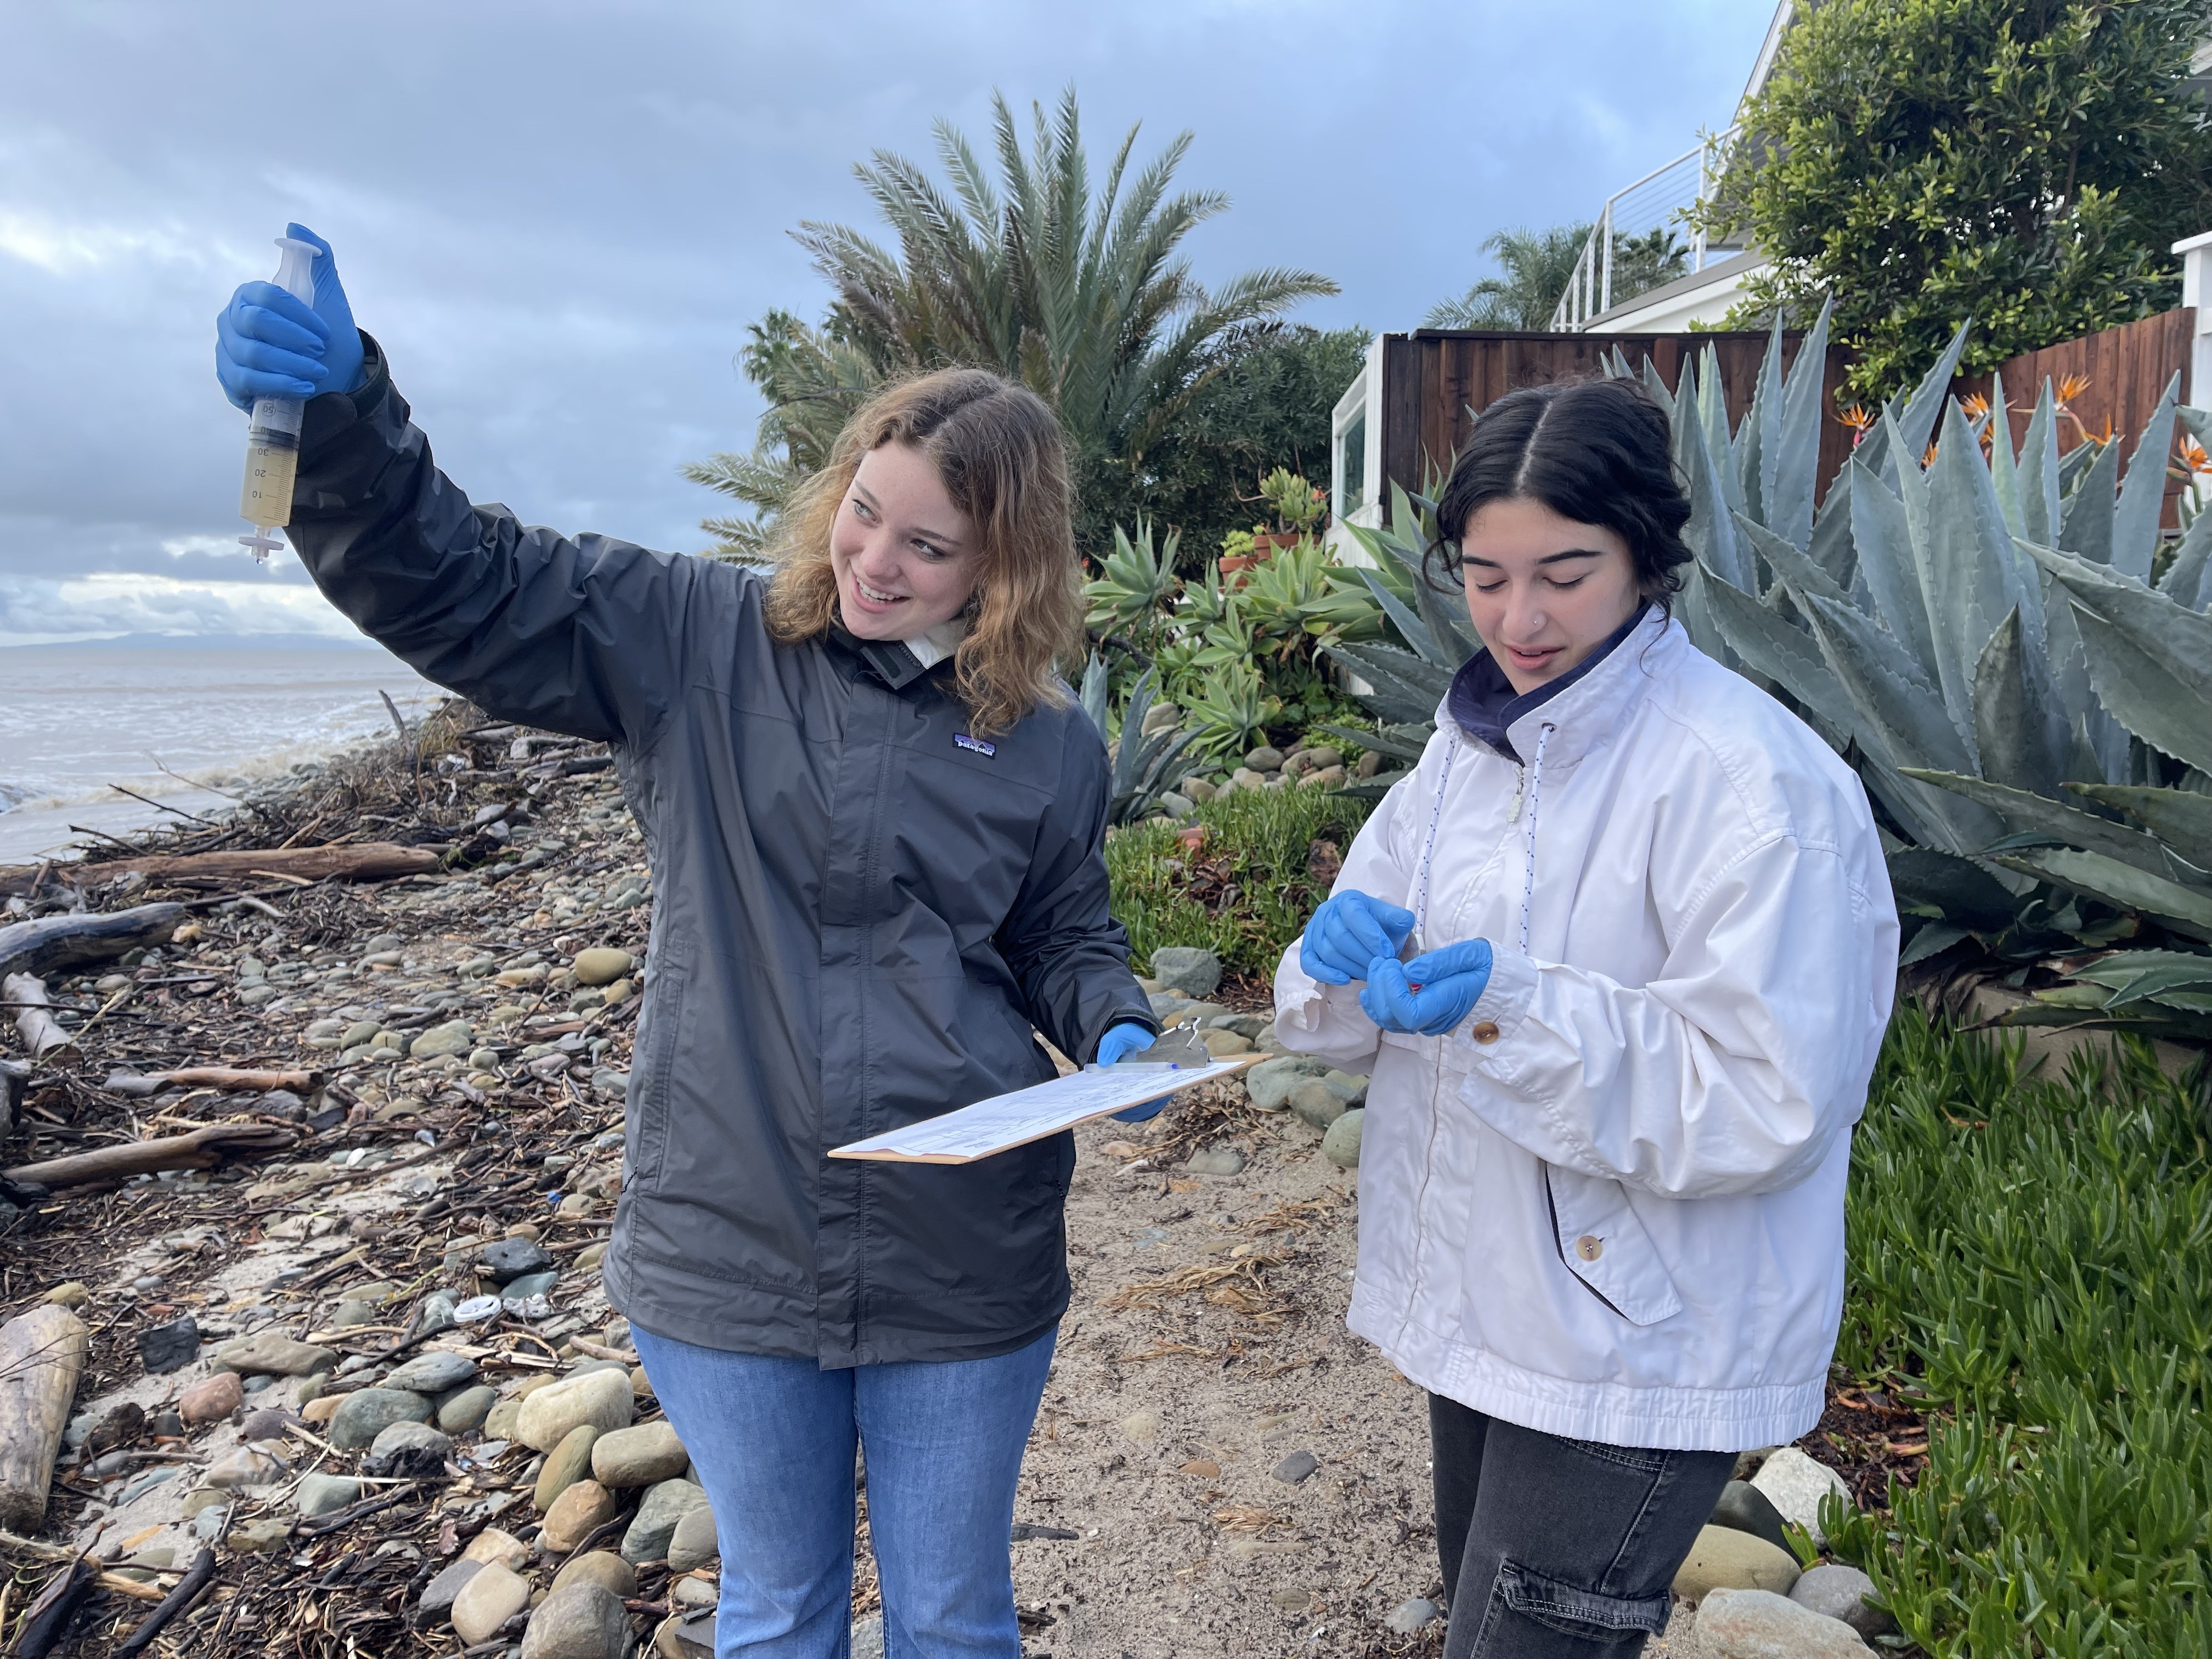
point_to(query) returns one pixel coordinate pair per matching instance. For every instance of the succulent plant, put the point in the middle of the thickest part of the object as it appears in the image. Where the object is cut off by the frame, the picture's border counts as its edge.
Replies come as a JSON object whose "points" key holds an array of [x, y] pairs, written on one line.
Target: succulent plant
{"points": [[1978, 630], [1143, 764], [1404, 683]]}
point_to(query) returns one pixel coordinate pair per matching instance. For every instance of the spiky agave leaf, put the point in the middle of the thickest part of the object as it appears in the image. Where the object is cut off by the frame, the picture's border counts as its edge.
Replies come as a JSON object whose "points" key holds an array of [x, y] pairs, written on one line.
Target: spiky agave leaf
{"points": [[2185, 910], [2021, 733], [2024, 811], [2188, 580], [1886, 559], [2182, 818], [2150, 658], [1789, 463], [1407, 689], [2040, 505], [2135, 518]]}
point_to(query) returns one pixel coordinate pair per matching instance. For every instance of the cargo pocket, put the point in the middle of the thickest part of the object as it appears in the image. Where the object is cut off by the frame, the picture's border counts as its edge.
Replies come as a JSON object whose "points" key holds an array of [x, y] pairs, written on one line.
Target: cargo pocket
{"points": [[1605, 1246], [1520, 1598]]}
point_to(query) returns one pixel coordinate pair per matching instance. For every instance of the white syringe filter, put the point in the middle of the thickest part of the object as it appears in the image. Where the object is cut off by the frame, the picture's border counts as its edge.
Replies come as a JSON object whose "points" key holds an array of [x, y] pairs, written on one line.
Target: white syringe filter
{"points": [[295, 271]]}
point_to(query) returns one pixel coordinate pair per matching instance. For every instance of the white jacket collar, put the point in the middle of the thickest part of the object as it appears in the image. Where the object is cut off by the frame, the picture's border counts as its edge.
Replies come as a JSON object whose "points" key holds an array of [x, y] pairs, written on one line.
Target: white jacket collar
{"points": [[934, 646]]}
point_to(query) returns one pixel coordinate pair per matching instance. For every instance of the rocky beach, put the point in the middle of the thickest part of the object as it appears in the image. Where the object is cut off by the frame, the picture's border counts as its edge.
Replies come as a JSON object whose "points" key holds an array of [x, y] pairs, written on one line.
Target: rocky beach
{"points": [[304, 1201]]}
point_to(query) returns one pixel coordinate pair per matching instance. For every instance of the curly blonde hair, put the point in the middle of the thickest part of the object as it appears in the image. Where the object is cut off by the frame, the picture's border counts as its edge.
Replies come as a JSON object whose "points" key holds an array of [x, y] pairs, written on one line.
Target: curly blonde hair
{"points": [[998, 449]]}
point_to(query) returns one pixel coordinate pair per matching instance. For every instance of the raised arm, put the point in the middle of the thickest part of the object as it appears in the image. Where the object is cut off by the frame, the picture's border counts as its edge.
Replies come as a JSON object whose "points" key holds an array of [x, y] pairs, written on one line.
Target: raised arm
{"points": [[585, 636]]}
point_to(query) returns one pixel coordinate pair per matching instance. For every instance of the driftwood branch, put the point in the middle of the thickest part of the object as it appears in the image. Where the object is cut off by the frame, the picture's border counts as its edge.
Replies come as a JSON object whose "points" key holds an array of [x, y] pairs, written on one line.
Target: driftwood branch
{"points": [[42, 1354], [39, 947], [199, 1150], [35, 1024], [212, 1077], [200, 1576], [48, 1619], [375, 860]]}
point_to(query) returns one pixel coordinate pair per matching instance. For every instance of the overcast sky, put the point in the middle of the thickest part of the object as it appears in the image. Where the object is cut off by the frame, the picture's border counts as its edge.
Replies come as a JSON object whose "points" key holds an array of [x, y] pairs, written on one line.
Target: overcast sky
{"points": [[559, 217]]}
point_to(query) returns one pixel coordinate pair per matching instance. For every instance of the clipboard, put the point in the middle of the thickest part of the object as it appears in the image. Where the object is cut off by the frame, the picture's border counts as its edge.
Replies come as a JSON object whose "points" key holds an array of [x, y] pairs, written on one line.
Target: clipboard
{"points": [[1177, 1061]]}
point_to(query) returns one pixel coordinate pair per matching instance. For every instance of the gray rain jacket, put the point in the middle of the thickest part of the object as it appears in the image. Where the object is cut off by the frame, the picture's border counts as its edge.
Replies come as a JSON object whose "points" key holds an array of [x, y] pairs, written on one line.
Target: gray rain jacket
{"points": [[859, 914]]}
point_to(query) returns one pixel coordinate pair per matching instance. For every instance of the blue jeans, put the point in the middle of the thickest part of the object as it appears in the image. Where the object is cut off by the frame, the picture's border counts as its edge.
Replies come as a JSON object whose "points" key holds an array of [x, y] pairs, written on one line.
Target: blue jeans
{"points": [[773, 1440]]}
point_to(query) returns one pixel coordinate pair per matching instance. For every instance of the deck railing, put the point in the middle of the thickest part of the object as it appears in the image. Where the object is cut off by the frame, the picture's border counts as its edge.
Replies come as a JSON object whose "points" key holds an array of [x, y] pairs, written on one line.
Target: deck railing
{"points": [[1657, 200]]}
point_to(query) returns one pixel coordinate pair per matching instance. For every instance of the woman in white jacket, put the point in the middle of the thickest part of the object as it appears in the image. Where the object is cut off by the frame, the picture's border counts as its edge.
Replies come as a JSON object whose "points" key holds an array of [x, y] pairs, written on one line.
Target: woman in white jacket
{"points": [[1619, 955]]}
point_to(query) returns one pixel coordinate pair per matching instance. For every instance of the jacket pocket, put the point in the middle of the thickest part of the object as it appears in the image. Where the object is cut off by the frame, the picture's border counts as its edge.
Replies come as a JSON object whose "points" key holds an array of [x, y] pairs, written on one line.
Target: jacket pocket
{"points": [[646, 1128], [1604, 1245]]}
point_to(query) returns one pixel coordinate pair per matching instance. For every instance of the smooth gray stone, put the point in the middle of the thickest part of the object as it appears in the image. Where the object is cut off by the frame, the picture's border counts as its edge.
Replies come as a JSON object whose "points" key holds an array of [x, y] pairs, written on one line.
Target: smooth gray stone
{"points": [[1839, 1592], [1744, 1508], [1316, 1105], [658, 1512], [433, 1373], [1271, 1081], [467, 1409], [578, 1621], [868, 1637], [530, 1285], [1190, 970], [1340, 1142], [364, 1414], [437, 1598], [1296, 1467], [320, 1494], [693, 1545]]}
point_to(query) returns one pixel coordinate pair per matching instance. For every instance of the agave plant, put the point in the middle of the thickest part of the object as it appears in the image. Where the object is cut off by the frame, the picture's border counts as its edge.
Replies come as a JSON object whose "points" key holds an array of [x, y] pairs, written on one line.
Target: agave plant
{"points": [[1144, 763], [1403, 685], [1978, 630], [1229, 710], [1135, 585]]}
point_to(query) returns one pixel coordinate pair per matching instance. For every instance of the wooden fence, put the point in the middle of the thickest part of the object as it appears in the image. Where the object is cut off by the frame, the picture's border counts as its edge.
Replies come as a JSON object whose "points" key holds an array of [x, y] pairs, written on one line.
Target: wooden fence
{"points": [[1435, 381], [2123, 372]]}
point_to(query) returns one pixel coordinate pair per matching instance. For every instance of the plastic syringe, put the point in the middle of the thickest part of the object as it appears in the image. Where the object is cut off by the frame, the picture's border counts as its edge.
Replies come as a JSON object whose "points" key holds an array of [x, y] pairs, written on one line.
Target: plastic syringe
{"points": [[272, 441]]}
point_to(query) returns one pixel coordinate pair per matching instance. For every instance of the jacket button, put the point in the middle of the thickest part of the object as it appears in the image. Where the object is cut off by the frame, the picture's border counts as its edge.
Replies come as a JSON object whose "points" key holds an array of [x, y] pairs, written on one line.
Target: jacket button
{"points": [[1589, 1247], [1485, 1030]]}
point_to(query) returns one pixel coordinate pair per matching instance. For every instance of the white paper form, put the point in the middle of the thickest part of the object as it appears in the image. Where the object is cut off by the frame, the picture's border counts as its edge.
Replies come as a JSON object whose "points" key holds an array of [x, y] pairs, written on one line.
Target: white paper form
{"points": [[1026, 1115]]}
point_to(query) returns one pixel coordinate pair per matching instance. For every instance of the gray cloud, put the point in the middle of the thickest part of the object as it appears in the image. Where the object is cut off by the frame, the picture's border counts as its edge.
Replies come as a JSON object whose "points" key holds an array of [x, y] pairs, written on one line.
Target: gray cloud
{"points": [[558, 218]]}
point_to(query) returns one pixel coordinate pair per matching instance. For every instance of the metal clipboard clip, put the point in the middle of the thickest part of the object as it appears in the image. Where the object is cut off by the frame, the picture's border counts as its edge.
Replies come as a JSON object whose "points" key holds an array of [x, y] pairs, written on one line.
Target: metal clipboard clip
{"points": [[1180, 1049]]}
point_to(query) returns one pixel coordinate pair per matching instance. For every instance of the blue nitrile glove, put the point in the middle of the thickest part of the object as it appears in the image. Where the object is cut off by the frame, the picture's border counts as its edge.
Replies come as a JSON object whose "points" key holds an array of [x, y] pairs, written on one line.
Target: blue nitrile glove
{"points": [[1118, 1044], [1347, 932], [1450, 981], [267, 344]]}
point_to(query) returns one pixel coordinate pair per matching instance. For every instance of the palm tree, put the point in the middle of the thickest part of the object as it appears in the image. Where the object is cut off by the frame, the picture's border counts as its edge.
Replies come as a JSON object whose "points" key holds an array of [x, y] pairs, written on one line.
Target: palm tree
{"points": [[1538, 265], [1080, 296], [812, 382]]}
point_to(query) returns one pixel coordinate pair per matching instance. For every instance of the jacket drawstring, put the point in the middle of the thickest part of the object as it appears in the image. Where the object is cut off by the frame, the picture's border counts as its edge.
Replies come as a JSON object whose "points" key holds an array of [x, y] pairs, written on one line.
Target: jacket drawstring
{"points": [[1529, 836], [1429, 849], [1527, 794]]}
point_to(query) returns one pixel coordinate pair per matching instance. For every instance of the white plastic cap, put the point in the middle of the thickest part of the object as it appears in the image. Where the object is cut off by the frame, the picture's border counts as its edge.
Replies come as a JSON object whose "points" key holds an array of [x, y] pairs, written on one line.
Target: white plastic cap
{"points": [[295, 271]]}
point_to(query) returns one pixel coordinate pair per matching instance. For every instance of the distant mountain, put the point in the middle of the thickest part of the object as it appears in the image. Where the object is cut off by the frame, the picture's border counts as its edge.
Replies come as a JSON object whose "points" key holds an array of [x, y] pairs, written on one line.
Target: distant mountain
{"points": [[211, 643]]}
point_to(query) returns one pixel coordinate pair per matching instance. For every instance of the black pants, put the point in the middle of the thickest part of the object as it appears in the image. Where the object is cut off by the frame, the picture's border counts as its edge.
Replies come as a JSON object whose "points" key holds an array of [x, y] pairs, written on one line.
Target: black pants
{"points": [[1560, 1549]]}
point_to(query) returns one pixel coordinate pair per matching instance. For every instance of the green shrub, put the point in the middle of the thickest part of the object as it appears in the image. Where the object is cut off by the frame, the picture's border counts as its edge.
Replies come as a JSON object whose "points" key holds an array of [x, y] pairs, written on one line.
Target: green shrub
{"points": [[2031, 1263], [1247, 891]]}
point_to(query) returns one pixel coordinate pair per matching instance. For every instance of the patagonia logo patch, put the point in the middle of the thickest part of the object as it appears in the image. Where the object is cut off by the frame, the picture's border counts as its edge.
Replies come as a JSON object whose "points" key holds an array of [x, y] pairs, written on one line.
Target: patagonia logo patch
{"points": [[976, 743]]}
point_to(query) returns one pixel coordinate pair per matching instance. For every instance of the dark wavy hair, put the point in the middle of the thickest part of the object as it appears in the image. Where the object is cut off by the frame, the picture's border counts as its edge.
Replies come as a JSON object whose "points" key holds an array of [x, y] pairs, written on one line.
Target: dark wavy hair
{"points": [[1596, 452]]}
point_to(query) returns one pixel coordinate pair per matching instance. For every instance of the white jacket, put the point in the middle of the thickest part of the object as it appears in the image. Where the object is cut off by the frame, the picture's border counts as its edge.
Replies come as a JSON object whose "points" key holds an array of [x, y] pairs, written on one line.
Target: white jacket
{"points": [[1610, 1204]]}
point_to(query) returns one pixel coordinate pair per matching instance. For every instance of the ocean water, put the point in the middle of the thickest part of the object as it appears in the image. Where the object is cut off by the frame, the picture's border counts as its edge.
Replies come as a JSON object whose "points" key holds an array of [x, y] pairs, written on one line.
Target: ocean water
{"points": [[76, 719]]}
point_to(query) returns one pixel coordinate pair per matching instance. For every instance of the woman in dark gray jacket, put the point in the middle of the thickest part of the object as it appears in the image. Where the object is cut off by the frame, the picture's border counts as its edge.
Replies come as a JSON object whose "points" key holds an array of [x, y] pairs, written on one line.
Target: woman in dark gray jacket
{"points": [[875, 821]]}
